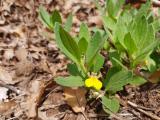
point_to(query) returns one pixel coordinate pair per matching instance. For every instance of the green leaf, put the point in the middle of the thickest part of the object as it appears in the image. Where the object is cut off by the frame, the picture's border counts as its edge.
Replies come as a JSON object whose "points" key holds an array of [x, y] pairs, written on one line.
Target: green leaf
{"points": [[68, 24], [149, 37], [120, 31], [61, 45], [146, 52], [155, 57], [137, 81], [103, 33], [109, 22], [118, 80], [110, 73], [71, 81], [73, 70], [69, 43], [94, 46], [55, 17], [143, 11], [129, 43], [99, 7], [84, 32], [127, 17], [82, 44], [110, 104], [114, 54], [139, 31], [151, 64], [106, 45], [99, 61], [120, 63], [156, 25], [114, 6], [44, 16]]}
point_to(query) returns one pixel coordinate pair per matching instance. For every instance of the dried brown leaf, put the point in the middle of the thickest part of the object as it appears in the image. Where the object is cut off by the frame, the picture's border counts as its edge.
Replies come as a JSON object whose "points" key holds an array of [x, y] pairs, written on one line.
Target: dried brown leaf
{"points": [[6, 106], [76, 98], [24, 68], [37, 88], [5, 76], [154, 77], [21, 54], [44, 66], [18, 31], [8, 54]]}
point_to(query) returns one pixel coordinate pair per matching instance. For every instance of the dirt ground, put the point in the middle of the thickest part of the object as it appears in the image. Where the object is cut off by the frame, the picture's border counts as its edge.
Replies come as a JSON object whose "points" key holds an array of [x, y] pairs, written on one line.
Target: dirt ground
{"points": [[30, 60]]}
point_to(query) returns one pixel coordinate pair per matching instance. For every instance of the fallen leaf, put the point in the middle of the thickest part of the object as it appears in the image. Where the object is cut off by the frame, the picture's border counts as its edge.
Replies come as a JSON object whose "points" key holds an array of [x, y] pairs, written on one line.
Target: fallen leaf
{"points": [[44, 66], [95, 20], [24, 67], [70, 117], [5, 76], [6, 106], [155, 77], [54, 99], [21, 54], [6, 5], [80, 117], [8, 54], [75, 98], [18, 31], [37, 88]]}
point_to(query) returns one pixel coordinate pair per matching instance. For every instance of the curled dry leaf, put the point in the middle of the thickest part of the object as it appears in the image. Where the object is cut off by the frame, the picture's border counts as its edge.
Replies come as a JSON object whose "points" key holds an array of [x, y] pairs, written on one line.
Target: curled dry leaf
{"points": [[37, 88], [75, 98], [155, 77]]}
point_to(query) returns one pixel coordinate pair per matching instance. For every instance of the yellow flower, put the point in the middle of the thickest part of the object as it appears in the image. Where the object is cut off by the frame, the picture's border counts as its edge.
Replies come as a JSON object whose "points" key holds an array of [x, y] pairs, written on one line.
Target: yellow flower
{"points": [[93, 82]]}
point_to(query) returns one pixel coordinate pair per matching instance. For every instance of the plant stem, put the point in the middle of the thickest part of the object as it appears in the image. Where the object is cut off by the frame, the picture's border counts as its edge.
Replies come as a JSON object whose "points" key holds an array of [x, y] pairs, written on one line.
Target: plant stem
{"points": [[83, 67]]}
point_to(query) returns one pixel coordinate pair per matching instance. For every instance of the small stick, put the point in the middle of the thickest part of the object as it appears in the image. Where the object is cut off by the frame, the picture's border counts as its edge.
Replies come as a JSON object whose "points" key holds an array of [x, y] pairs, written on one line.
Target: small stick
{"points": [[144, 112], [105, 115], [91, 115], [85, 116], [2, 84], [116, 117]]}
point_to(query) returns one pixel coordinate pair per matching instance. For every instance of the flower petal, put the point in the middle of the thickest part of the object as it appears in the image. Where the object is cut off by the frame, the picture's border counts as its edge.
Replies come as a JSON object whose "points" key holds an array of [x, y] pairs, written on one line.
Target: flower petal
{"points": [[89, 82], [97, 84]]}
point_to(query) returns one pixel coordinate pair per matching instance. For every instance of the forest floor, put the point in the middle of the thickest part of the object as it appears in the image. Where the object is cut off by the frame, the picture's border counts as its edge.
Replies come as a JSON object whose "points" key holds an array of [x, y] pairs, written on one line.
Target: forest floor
{"points": [[30, 60]]}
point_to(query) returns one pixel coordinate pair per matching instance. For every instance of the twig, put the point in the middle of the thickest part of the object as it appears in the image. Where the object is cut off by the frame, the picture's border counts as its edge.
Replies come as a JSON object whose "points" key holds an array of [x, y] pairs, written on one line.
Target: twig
{"points": [[48, 106], [136, 113], [105, 115], [149, 114], [85, 116], [2, 84], [91, 115], [116, 117]]}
